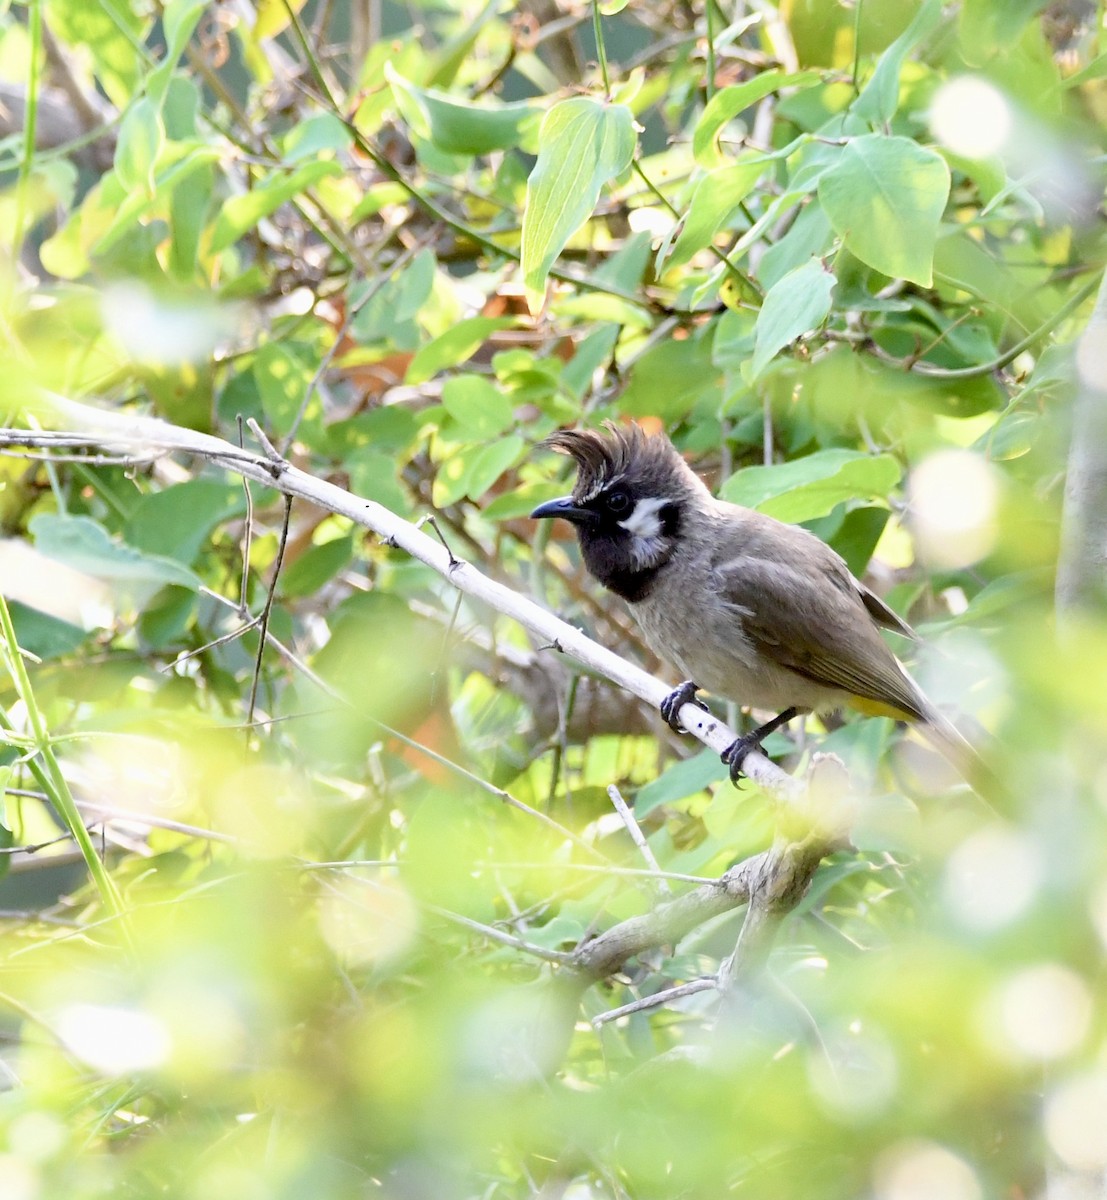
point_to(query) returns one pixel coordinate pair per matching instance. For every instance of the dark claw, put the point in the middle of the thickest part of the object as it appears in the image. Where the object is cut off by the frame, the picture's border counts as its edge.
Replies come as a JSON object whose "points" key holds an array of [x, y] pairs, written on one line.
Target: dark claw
{"points": [[675, 700], [735, 754]]}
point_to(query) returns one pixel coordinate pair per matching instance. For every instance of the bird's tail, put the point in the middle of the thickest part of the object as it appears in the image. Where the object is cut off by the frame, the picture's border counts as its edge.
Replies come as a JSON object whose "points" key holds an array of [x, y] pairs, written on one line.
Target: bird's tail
{"points": [[973, 766]]}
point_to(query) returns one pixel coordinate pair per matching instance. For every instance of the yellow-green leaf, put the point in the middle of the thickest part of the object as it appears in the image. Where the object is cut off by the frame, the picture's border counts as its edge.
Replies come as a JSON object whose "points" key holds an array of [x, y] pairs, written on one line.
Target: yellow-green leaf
{"points": [[582, 144], [885, 197]]}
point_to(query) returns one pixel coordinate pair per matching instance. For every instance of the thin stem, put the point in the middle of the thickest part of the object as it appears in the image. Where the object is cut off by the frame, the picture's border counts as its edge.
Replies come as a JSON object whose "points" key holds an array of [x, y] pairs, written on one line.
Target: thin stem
{"points": [[856, 46], [601, 52], [30, 126], [638, 837], [709, 83], [1008, 356], [266, 612], [721, 255], [48, 772]]}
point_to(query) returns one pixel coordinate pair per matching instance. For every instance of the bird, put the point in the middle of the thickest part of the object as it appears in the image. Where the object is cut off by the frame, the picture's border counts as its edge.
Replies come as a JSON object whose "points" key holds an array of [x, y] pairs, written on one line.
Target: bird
{"points": [[744, 606]]}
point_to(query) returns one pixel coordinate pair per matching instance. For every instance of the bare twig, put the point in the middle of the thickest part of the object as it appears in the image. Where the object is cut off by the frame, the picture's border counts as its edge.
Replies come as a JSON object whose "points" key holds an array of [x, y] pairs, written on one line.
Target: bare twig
{"points": [[562, 957], [638, 838], [267, 609], [656, 1000]]}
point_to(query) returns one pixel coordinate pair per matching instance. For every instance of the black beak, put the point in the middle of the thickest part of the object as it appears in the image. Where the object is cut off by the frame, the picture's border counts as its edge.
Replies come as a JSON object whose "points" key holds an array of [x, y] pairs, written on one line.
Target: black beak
{"points": [[564, 507]]}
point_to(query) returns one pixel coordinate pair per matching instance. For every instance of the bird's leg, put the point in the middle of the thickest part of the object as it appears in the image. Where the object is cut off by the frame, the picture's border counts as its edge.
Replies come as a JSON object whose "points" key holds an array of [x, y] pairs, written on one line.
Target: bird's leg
{"points": [[735, 754], [685, 693]]}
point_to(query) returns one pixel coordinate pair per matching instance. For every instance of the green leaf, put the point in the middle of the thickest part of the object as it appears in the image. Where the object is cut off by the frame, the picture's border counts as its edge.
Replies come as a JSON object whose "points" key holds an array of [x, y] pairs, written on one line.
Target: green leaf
{"points": [[477, 406], [857, 534], [188, 212], [180, 109], [492, 462], [591, 354], [472, 470], [178, 520], [179, 20], [682, 779], [374, 474], [521, 501], [810, 487], [320, 134], [43, 635], [141, 137], [316, 566], [879, 98], [384, 315], [581, 145], [454, 346], [715, 199], [885, 197], [273, 17], [163, 622], [728, 102], [672, 377], [178, 161], [809, 236], [283, 374], [111, 35], [460, 127], [414, 285], [242, 213], [988, 27], [795, 305], [85, 545]]}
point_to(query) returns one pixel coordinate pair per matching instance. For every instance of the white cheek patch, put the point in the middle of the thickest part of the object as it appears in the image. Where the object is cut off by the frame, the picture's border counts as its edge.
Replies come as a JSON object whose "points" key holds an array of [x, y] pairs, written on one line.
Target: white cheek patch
{"points": [[644, 522]]}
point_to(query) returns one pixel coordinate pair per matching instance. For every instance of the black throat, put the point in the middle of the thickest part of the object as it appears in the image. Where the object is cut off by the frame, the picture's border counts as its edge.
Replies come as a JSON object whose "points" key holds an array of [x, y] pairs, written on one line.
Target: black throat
{"points": [[634, 585]]}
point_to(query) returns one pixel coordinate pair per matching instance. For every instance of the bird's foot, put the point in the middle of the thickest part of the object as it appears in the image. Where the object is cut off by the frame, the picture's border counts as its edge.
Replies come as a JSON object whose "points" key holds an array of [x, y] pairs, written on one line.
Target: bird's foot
{"points": [[675, 700], [735, 754]]}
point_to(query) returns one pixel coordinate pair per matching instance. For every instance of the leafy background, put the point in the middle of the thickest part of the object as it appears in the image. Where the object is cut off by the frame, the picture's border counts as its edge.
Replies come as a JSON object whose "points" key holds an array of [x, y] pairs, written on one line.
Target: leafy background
{"points": [[842, 254]]}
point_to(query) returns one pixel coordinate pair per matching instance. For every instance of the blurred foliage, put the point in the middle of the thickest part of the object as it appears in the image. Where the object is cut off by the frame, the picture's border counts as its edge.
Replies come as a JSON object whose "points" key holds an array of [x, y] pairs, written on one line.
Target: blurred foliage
{"points": [[841, 253]]}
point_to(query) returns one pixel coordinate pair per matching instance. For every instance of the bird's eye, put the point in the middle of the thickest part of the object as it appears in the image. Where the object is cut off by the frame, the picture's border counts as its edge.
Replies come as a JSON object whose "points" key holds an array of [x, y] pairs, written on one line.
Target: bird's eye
{"points": [[618, 503]]}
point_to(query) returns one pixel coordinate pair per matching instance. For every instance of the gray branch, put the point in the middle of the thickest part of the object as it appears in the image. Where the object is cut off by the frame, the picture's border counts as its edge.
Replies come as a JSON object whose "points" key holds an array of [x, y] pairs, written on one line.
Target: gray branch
{"points": [[1082, 571]]}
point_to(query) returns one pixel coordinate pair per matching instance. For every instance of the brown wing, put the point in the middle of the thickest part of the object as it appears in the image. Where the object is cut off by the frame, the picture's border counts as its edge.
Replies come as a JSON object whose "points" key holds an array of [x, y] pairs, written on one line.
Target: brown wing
{"points": [[808, 614], [882, 614]]}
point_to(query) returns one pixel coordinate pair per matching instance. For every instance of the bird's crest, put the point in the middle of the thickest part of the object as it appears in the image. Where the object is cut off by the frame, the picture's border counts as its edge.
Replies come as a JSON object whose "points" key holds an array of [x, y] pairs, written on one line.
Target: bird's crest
{"points": [[603, 458]]}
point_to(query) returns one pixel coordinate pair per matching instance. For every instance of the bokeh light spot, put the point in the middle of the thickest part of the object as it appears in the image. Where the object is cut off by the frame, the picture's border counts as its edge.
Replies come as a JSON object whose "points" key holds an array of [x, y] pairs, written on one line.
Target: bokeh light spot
{"points": [[653, 221], [40, 1136], [1041, 1013], [163, 332], [971, 117], [1076, 1121], [954, 501], [367, 921], [19, 1179], [992, 878], [114, 1040], [921, 1170]]}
